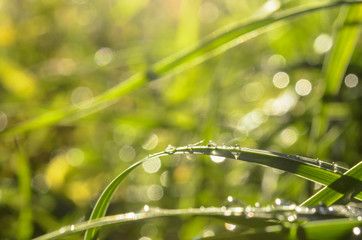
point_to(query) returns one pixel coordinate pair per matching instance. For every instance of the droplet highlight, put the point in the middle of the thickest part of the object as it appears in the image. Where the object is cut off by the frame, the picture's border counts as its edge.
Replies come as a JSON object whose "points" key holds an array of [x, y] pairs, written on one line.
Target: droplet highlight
{"points": [[170, 149], [212, 144]]}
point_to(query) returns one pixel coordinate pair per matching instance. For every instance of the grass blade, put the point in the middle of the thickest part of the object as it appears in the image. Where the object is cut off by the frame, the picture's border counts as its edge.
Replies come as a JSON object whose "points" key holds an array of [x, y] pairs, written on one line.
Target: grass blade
{"points": [[347, 185], [213, 45], [329, 229], [345, 43], [102, 204], [248, 216], [25, 225]]}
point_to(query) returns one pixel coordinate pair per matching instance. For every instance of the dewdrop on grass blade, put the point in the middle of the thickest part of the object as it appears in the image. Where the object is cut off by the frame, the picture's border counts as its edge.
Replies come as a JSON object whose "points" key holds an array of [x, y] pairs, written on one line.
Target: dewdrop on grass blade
{"points": [[212, 144]]}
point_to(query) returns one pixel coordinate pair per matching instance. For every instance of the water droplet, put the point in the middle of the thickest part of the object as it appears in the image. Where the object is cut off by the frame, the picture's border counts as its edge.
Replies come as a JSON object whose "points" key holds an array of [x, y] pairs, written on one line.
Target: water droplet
{"points": [[223, 146], [257, 205], [217, 159], [228, 212], [130, 215], [319, 162], [292, 218], [232, 202], [211, 144], [283, 203], [62, 230], [335, 167], [190, 147], [146, 208], [72, 228], [322, 208], [229, 226], [236, 154], [331, 209], [170, 149], [356, 231]]}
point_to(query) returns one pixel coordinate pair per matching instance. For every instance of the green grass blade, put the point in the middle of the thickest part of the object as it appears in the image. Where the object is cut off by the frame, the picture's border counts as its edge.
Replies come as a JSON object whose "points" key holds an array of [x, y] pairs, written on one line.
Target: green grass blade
{"points": [[102, 204], [25, 225], [311, 169], [329, 229], [347, 184], [248, 216], [211, 46], [345, 43]]}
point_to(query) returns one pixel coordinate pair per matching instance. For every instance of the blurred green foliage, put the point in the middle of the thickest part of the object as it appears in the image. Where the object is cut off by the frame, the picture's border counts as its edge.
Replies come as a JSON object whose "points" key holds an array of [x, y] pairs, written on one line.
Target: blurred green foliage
{"points": [[266, 93]]}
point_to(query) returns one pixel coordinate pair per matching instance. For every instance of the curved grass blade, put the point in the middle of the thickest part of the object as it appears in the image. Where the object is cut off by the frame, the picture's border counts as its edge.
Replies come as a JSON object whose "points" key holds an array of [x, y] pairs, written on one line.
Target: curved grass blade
{"points": [[349, 28], [216, 43], [348, 185], [334, 229], [249, 216], [329, 229], [102, 204], [311, 169]]}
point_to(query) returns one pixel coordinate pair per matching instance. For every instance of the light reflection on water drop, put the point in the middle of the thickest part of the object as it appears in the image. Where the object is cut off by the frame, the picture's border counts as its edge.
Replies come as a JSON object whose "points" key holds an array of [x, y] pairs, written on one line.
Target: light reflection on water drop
{"points": [[170, 149], [72, 228], [217, 159], [229, 226], [356, 231], [130, 215], [211, 144]]}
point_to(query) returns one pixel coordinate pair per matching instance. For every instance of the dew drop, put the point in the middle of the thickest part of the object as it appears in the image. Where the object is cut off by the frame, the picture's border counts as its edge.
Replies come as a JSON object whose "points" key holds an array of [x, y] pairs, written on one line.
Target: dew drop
{"points": [[228, 212], [62, 230], [236, 155], [356, 231], [319, 162], [211, 144], [72, 228], [223, 146], [292, 218], [190, 147], [230, 226], [170, 149], [322, 208], [335, 167], [283, 203], [232, 202], [257, 205], [217, 159], [146, 208]]}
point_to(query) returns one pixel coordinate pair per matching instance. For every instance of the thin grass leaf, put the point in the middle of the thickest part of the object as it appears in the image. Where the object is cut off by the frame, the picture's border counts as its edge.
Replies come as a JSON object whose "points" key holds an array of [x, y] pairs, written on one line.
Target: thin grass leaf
{"points": [[216, 43], [349, 29], [315, 170], [25, 225], [349, 184], [102, 204], [335, 229], [329, 229], [248, 216]]}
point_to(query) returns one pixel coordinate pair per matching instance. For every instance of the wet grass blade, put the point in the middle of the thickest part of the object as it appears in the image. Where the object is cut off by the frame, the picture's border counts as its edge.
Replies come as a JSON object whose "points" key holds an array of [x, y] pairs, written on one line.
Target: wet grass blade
{"points": [[349, 28], [329, 229], [216, 43], [345, 187], [247, 216], [102, 204]]}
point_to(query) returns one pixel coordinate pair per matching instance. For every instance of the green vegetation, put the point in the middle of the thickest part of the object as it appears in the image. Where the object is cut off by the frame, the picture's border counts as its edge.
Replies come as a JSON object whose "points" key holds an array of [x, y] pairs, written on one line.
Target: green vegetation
{"points": [[84, 94]]}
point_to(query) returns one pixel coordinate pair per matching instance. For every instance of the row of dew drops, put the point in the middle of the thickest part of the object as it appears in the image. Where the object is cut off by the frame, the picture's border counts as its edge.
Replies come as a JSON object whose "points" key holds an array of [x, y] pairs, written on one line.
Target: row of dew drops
{"points": [[236, 153], [282, 210]]}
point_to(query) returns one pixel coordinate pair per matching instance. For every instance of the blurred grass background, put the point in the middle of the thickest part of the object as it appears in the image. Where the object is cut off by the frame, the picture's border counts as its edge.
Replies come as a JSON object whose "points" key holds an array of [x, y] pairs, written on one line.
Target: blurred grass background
{"points": [[266, 93]]}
